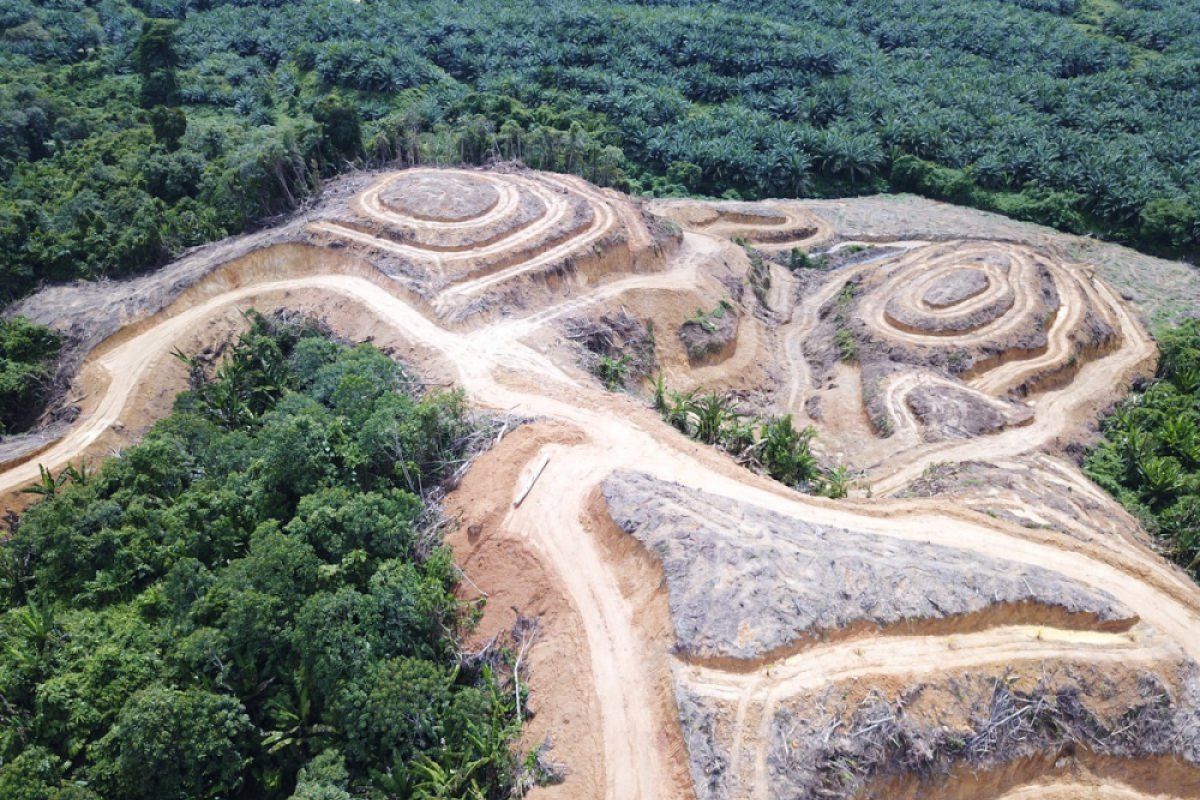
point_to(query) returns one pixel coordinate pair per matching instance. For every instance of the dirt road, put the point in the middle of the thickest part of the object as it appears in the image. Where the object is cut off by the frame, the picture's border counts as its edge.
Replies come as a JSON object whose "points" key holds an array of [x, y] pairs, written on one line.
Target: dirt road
{"points": [[499, 369]]}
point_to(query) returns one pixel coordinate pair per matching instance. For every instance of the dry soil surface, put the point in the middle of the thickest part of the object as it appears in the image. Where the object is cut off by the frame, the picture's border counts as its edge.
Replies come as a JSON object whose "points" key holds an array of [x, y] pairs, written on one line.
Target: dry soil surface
{"points": [[698, 620]]}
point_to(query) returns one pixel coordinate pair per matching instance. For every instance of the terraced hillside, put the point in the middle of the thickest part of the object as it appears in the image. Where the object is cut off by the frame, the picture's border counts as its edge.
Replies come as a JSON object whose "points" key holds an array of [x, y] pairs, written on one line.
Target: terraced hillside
{"points": [[976, 620]]}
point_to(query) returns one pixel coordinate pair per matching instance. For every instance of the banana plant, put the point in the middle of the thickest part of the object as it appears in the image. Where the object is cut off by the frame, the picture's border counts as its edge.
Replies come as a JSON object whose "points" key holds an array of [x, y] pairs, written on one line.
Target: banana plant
{"points": [[1182, 437], [712, 413], [660, 394], [78, 475], [680, 410], [836, 482], [1162, 479], [613, 371], [47, 485]]}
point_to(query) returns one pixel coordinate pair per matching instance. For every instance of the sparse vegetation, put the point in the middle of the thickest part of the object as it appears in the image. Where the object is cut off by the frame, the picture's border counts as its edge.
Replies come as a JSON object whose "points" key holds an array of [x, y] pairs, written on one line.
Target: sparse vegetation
{"points": [[798, 258], [709, 331], [705, 318], [1149, 458], [760, 274], [877, 413], [253, 602], [770, 445], [843, 336], [613, 371], [617, 348]]}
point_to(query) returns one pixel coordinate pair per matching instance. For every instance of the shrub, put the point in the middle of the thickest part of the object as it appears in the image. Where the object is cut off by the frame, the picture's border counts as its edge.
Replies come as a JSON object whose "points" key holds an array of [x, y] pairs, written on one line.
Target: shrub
{"points": [[912, 174], [252, 601], [1149, 457], [26, 351], [771, 445]]}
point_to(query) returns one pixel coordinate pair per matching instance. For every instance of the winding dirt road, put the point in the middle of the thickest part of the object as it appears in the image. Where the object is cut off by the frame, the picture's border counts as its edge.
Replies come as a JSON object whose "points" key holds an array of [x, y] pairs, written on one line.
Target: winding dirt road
{"points": [[499, 368]]}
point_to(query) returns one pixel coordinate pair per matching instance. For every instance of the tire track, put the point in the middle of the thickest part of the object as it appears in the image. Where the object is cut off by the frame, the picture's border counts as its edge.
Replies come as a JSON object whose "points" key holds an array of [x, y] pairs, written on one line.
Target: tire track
{"points": [[497, 370], [767, 687]]}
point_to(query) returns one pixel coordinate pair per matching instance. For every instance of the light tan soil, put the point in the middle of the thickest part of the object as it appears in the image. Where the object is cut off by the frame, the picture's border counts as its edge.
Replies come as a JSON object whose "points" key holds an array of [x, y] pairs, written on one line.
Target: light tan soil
{"points": [[606, 677]]}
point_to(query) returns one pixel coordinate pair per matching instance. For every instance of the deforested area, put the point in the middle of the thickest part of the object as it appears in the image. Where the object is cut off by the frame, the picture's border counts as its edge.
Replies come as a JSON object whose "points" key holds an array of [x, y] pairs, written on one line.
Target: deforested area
{"points": [[671, 401]]}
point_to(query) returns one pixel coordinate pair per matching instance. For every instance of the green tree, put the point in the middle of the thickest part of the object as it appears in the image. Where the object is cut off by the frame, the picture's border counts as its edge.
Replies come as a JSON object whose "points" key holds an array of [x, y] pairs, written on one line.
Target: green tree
{"points": [[170, 744], [26, 351], [155, 47], [1170, 222], [155, 57], [196, 619], [169, 125], [393, 709], [341, 130]]}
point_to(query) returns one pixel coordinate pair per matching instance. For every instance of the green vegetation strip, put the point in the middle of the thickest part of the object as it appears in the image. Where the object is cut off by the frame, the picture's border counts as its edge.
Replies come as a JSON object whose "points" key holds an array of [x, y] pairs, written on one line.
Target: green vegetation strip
{"points": [[1149, 458], [26, 352], [254, 602]]}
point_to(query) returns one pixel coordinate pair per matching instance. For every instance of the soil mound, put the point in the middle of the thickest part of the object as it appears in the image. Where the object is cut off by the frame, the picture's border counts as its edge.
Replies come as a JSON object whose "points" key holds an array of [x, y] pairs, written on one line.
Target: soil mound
{"points": [[439, 198], [745, 582], [973, 617]]}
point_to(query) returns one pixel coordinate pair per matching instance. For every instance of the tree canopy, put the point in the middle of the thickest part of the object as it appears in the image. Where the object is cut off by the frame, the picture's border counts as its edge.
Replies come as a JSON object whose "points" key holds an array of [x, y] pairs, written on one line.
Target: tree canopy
{"points": [[250, 603], [1149, 457], [131, 129]]}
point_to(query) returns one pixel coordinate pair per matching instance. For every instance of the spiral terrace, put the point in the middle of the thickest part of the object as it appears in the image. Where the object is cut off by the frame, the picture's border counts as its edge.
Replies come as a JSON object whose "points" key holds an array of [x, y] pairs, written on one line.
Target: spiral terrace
{"points": [[711, 633]]}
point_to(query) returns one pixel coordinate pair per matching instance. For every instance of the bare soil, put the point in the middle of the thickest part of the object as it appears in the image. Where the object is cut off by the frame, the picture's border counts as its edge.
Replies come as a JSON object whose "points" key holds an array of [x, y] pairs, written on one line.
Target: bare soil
{"points": [[705, 631]]}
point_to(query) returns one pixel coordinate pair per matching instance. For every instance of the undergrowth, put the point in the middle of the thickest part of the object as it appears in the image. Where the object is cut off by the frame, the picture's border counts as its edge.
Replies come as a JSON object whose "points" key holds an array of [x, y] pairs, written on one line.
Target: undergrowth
{"points": [[26, 351], [760, 273], [255, 602], [799, 258], [705, 318], [770, 445], [613, 371], [617, 348], [843, 336]]}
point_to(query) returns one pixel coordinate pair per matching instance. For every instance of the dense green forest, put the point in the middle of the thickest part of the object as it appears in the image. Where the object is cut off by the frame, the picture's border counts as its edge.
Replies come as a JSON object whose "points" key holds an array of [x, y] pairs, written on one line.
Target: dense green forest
{"points": [[251, 602], [1149, 458], [132, 129], [26, 351]]}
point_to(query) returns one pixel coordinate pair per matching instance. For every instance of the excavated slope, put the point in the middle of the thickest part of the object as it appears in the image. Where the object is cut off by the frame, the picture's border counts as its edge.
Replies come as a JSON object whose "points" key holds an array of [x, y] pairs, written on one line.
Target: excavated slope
{"points": [[976, 620]]}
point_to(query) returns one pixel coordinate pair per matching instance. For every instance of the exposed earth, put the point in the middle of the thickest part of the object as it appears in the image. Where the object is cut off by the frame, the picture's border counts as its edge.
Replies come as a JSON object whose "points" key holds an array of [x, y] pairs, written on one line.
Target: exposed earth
{"points": [[977, 620]]}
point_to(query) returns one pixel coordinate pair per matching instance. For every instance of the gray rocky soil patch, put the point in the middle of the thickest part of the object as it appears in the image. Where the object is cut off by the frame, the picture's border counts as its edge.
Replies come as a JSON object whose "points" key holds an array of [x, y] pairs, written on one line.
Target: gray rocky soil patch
{"points": [[956, 287], [950, 413], [744, 582]]}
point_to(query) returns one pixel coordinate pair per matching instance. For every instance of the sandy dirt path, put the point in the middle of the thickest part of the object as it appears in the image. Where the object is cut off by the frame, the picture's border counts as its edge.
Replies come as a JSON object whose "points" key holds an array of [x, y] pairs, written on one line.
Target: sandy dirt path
{"points": [[1015, 285], [603, 220], [553, 197], [499, 370], [906, 429], [627, 442], [1090, 791], [1058, 411], [803, 319], [759, 693]]}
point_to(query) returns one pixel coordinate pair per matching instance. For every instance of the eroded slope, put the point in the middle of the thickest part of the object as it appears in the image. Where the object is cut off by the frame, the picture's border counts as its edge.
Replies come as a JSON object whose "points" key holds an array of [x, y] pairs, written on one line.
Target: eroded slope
{"points": [[728, 636]]}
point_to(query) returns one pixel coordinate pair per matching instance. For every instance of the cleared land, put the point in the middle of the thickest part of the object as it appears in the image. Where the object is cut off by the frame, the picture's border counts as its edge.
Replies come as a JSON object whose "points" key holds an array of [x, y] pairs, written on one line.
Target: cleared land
{"points": [[708, 632]]}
